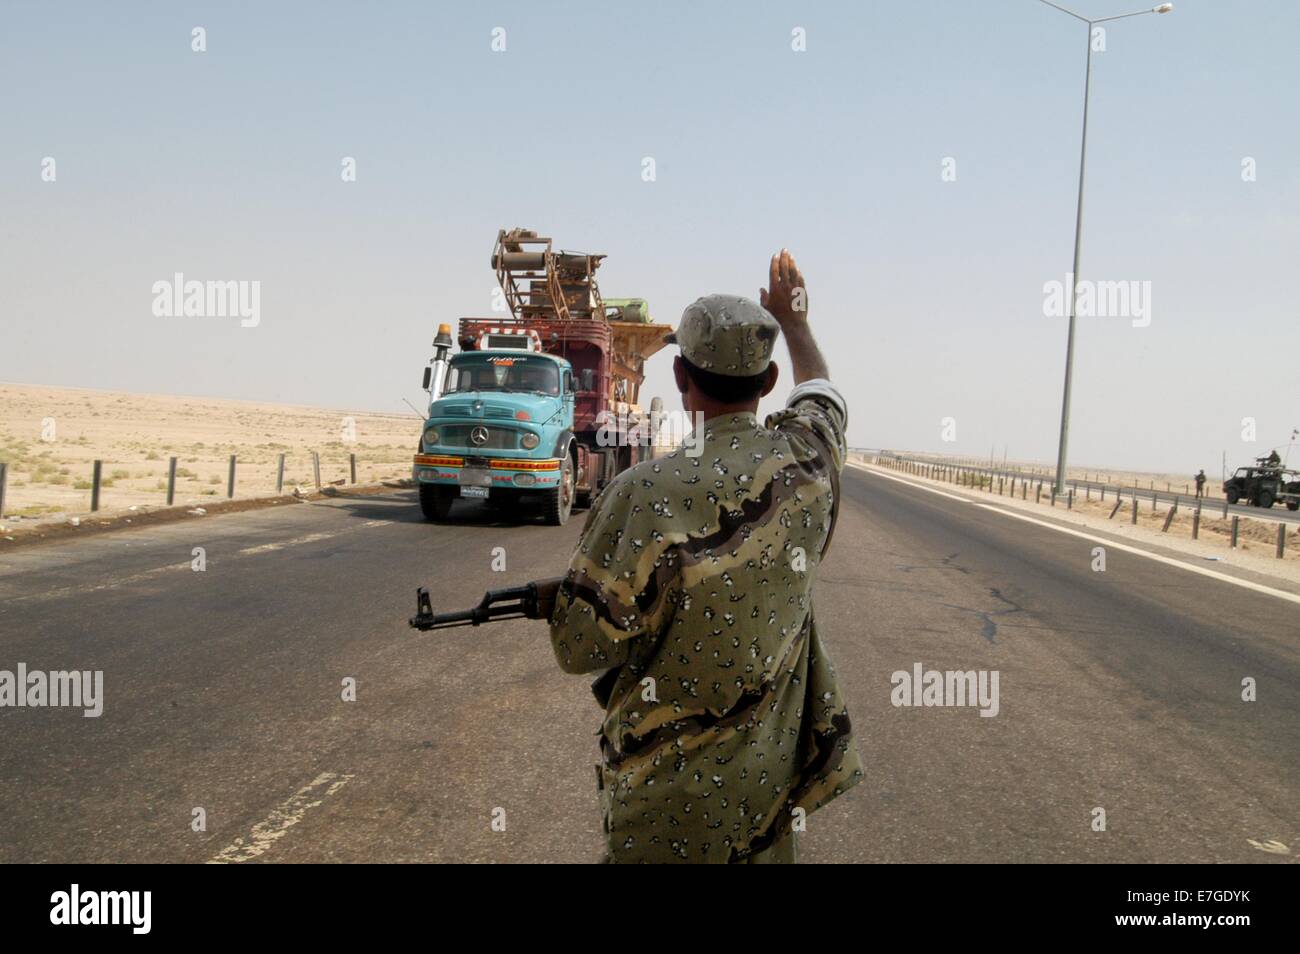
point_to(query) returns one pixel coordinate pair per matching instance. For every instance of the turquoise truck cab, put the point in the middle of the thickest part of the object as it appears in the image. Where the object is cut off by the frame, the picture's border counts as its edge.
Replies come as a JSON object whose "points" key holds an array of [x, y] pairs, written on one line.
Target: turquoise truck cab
{"points": [[501, 430]]}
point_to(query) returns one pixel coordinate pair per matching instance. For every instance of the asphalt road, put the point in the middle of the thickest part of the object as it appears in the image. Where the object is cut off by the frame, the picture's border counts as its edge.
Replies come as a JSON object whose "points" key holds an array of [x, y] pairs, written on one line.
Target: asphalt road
{"points": [[223, 691]]}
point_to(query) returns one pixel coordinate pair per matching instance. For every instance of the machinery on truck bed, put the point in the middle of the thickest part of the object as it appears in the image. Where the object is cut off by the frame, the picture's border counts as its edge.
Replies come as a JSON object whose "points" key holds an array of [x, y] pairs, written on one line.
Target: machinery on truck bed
{"points": [[544, 403], [1264, 484]]}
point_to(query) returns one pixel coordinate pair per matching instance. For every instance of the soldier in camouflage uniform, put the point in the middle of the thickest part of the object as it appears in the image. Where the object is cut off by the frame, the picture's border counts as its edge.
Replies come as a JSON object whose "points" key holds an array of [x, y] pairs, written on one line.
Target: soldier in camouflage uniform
{"points": [[691, 590]]}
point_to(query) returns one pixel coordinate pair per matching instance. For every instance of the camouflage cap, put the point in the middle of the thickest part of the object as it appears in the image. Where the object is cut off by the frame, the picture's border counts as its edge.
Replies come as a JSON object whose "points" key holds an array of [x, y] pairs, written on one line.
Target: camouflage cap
{"points": [[727, 334]]}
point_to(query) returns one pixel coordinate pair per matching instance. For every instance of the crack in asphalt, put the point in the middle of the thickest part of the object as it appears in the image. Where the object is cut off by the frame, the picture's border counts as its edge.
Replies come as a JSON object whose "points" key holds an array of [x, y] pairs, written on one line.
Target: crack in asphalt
{"points": [[990, 629]]}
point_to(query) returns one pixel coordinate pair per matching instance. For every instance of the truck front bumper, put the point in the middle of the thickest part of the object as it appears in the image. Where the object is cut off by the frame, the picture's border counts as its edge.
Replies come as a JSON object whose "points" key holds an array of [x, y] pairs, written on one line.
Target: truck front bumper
{"points": [[475, 475]]}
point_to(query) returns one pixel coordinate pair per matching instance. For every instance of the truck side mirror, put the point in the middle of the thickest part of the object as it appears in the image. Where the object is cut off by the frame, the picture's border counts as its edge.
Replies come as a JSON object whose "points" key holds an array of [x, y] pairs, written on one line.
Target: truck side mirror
{"points": [[588, 379], [428, 376]]}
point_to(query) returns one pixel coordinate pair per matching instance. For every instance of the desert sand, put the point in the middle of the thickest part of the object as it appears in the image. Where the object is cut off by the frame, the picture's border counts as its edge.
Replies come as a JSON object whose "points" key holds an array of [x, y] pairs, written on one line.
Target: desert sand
{"points": [[50, 436]]}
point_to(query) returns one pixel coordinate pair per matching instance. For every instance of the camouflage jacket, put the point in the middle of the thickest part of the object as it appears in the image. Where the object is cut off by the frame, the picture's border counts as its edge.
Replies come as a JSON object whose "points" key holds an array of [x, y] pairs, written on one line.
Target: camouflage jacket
{"points": [[691, 588]]}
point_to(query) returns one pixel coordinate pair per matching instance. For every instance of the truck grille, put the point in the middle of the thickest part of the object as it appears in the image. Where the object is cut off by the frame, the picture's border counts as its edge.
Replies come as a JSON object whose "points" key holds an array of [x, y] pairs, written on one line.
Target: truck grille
{"points": [[467, 410], [498, 438]]}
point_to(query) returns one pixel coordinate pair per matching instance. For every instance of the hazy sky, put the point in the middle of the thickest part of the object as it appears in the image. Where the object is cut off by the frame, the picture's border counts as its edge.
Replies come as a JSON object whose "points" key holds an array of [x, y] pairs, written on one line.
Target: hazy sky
{"points": [[926, 294]]}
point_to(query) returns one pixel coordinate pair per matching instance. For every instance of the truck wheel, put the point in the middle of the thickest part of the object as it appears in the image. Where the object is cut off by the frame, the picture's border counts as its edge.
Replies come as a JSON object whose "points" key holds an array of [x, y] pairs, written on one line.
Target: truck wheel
{"points": [[559, 502], [435, 502], [1233, 495], [1265, 499]]}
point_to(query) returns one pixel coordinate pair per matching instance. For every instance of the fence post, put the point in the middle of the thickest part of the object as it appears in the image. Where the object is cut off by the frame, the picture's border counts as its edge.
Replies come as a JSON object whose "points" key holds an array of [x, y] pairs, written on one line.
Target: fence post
{"points": [[1069, 500], [1053, 495], [315, 464], [171, 481], [1135, 506], [1281, 540], [1038, 493], [1225, 508], [279, 475], [1169, 517], [1119, 502], [1235, 521], [352, 466], [4, 477], [94, 485], [1196, 521], [230, 482]]}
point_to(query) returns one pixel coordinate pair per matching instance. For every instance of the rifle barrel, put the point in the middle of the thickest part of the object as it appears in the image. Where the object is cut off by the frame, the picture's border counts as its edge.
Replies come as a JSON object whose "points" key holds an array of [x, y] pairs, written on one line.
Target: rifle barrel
{"points": [[511, 603]]}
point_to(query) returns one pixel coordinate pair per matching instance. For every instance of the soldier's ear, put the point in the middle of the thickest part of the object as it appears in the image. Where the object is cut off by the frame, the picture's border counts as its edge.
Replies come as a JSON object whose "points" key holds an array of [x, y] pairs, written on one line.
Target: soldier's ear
{"points": [[679, 374], [773, 372]]}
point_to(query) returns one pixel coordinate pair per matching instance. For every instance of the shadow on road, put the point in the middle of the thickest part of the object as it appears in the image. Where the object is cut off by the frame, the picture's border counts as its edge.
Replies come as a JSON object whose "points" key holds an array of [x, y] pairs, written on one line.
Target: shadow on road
{"points": [[403, 506]]}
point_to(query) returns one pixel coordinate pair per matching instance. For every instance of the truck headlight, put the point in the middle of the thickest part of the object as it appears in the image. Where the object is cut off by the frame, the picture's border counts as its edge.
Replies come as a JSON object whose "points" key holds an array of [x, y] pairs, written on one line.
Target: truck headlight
{"points": [[431, 435], [529, 440]]}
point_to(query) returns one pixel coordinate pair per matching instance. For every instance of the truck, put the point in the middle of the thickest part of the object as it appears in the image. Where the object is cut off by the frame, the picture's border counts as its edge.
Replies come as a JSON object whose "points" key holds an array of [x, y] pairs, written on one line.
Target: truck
{"points": [[540, 405], [1264, 484]]}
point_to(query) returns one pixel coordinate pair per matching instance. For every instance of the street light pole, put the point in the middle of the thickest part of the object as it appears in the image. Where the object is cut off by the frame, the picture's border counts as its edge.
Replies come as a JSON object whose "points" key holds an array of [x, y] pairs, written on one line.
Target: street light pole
{"points": [[1078, 232]]}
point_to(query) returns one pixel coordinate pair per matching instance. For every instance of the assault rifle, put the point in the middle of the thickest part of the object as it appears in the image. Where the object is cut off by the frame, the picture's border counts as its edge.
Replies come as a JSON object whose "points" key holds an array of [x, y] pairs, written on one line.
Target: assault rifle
{"points": [[533, 600]]}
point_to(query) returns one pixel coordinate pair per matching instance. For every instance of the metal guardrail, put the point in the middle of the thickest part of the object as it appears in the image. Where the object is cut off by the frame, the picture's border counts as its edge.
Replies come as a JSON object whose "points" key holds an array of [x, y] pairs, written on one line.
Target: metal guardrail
{"points": [[1086, 489]]}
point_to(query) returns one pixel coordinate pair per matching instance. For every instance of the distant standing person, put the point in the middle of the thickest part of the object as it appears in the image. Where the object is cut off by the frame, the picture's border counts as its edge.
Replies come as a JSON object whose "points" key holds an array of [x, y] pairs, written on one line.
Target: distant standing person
{"points": [[1200, 482]]}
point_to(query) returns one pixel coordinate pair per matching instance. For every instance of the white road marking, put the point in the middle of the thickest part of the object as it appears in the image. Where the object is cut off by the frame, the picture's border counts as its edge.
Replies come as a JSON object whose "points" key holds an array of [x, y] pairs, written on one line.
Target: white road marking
{"points": [[877, 473], [96, 587], [1272, 846], [268, 547], [1105, 541], [145, 575], [1170, 561], [276, 825]]}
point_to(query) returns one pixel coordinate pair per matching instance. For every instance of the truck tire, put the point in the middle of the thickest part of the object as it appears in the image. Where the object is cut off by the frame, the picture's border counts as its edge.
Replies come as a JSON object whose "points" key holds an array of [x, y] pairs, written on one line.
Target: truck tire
{"points": [[559, 502], [1265, 499], [435, 502], [1232, 494]]}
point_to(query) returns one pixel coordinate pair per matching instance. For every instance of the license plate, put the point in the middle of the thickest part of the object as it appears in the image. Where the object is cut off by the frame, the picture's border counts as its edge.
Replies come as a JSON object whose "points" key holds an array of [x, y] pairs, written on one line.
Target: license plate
{"points": [[467, 490], [475, 477]]}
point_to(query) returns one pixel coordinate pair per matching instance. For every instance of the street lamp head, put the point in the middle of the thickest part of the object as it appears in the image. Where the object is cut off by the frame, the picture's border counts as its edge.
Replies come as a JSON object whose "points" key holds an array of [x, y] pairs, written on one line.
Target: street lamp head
{"points": [[1163, 8]]}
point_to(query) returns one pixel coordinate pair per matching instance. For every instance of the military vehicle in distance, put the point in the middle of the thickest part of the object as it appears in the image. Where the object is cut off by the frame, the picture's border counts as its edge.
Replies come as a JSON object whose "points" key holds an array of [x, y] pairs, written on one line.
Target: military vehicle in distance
{"points": [[1264, 484]]}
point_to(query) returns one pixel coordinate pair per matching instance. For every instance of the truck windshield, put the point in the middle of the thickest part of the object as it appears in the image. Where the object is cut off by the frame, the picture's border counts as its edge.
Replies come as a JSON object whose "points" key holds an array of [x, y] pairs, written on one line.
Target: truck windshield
{"points": [[497, 373]]}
